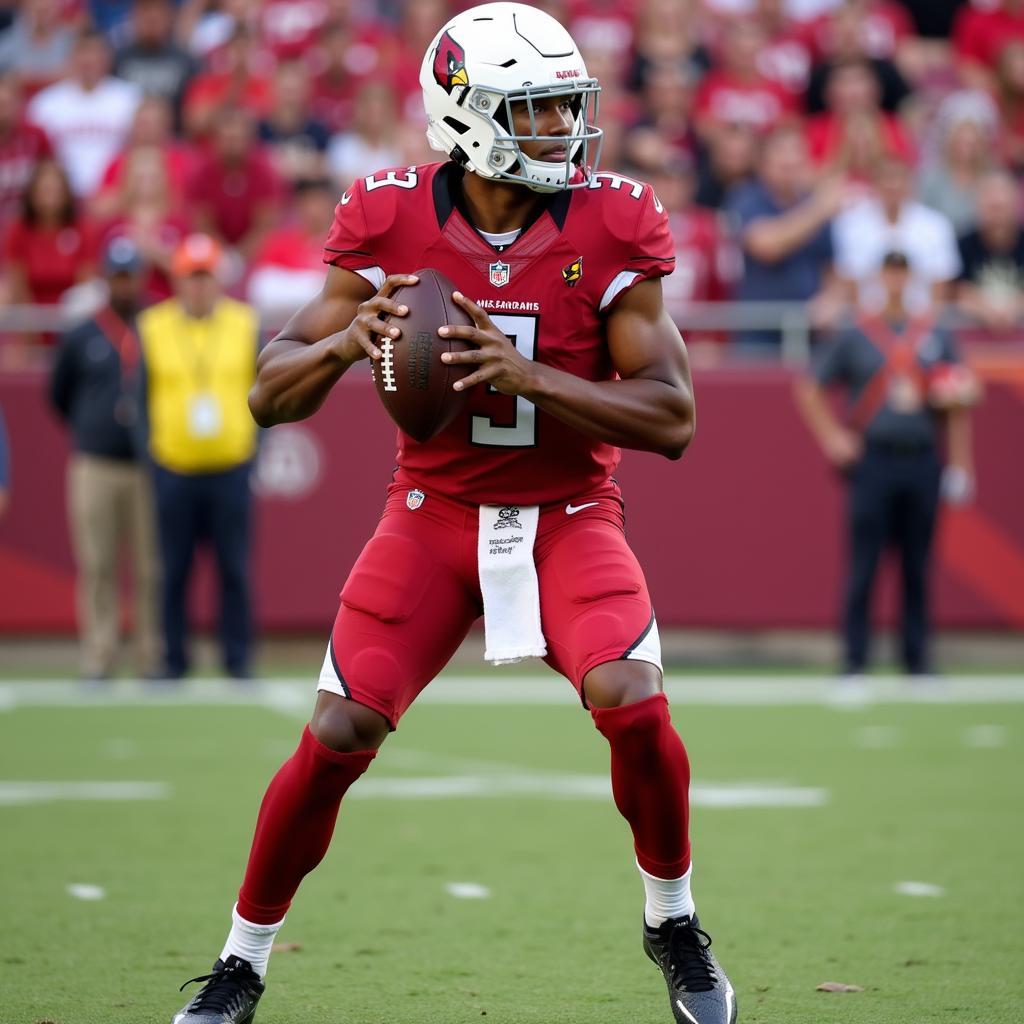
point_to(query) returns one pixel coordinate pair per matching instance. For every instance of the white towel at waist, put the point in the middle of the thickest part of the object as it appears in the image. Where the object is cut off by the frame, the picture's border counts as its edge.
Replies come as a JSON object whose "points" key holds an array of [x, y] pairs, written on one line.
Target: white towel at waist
{"points": [[508, 583]]}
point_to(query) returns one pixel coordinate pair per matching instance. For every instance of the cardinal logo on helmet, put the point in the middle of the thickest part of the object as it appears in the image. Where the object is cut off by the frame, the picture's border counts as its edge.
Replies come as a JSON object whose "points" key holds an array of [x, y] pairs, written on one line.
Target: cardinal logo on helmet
{"points": [[571, 274], [450, 64]]}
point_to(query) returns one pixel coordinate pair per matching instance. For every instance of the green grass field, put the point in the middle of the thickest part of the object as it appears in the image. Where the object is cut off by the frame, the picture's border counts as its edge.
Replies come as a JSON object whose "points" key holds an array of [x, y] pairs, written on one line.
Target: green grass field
{"points": [[511, 797]]}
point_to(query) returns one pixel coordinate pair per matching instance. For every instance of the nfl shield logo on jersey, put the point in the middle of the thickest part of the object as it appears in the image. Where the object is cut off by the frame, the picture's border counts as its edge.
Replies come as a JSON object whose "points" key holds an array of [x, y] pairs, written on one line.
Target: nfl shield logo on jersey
{"points": [[500, 273], [414, 499]]}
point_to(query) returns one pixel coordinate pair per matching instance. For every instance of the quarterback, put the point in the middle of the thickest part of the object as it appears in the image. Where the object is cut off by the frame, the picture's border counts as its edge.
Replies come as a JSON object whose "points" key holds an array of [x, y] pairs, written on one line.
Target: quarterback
{"points": [[572, 358]]}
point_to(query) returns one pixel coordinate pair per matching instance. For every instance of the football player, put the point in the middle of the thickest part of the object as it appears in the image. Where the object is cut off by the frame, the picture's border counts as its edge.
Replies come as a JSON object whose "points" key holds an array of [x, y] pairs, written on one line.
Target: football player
{"points": [[573, 358]]}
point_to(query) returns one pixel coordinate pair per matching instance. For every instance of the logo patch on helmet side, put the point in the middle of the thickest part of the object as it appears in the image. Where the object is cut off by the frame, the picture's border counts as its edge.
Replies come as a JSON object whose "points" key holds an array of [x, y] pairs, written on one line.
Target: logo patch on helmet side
{"points": [[571, 274], [450, 64]]}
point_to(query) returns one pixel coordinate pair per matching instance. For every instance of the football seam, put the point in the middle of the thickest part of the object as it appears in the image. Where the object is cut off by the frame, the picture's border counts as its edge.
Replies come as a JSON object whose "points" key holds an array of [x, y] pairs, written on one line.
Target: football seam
{"points": [[446, 381]]}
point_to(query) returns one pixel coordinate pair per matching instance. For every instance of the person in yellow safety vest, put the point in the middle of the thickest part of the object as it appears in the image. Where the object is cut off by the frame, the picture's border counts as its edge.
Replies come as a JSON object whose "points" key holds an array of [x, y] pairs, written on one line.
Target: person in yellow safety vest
{"points": [[199, 353]]}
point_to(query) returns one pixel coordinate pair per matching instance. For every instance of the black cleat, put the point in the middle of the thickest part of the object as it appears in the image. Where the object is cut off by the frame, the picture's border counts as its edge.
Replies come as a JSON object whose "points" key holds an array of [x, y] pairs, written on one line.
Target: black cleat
{"points": [[698, 990], [229, 996]]}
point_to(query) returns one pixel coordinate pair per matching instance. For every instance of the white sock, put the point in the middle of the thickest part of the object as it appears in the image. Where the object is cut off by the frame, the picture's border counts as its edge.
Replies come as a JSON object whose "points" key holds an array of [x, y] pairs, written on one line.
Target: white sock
{"points": [[250, 941], [666, 897]]}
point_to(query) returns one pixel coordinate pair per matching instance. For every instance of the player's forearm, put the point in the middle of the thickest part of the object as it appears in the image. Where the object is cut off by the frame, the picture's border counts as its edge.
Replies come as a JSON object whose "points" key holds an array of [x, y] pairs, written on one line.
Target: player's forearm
{"points": [[293, 379], [639, 413]]}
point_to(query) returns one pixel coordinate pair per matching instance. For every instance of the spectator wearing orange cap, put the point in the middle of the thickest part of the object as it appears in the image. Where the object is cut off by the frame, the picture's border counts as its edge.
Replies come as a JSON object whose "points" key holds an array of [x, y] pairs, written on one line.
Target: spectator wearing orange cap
{"points": [[199, 361]]}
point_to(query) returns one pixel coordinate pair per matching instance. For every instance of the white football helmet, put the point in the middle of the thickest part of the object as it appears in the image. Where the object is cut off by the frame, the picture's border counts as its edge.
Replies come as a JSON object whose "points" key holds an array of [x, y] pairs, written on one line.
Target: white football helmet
{"points": [[484, 60]]}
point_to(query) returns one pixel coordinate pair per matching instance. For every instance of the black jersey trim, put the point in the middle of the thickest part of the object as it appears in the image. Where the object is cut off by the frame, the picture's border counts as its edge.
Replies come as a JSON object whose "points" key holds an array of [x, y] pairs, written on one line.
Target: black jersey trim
{"points": [[337, 670], [639, 640], [447, 190], [442, 190]]}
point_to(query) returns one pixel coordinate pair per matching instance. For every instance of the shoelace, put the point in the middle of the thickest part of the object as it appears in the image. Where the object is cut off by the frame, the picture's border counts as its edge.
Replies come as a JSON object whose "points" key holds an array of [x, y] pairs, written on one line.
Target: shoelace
{"points": [[692, 969], [221, 988]]}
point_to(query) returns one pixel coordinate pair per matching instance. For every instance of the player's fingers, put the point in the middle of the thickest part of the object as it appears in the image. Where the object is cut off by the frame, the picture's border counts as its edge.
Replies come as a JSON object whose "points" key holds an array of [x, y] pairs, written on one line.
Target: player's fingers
{"points": [[480, 318], [479, 377], [473, 355], [395, 281], [375, 327], [472, 334], [378, 304], [368, 347]]}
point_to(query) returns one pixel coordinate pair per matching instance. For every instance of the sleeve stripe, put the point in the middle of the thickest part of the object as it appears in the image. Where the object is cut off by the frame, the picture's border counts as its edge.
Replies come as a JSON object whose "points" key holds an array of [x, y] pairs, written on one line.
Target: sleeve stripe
{"points": [[620, 283], [375, 275]]}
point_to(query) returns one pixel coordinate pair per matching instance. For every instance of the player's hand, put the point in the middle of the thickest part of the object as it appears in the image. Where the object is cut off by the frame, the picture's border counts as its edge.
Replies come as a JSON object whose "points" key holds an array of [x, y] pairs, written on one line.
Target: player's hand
{"points": [[500, 363], [359, 339]]}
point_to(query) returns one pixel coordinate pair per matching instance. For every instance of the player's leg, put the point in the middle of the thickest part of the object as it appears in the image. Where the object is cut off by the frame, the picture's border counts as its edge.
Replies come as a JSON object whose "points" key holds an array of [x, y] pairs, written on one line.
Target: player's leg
{"points": [[404, 610], [602, 634]]}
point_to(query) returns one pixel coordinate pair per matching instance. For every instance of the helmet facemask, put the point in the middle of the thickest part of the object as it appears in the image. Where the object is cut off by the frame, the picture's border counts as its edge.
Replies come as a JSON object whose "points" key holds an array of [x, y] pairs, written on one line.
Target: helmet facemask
{"points": [[507, 162]]}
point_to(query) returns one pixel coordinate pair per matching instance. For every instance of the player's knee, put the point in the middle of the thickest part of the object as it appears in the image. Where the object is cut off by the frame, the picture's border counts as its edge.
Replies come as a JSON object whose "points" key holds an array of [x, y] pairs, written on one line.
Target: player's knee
{"points": [[345, 725], [637, 731], [616, 683]]}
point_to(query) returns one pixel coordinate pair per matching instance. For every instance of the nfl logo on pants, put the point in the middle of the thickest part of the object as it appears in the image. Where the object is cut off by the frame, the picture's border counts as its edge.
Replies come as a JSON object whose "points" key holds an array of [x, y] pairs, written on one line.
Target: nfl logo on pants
{"points": [[499, 274]]}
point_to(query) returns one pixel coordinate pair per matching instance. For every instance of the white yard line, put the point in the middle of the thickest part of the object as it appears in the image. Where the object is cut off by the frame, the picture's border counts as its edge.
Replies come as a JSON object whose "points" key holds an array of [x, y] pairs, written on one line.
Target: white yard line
{"points": [[565, 786], [918, 889], [13, 793], [294, 697], [84, 891]]}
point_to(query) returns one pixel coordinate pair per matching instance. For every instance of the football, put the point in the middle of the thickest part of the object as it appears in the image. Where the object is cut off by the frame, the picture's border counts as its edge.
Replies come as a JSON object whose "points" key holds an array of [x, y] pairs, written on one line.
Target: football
{"points": [[413, 383]]}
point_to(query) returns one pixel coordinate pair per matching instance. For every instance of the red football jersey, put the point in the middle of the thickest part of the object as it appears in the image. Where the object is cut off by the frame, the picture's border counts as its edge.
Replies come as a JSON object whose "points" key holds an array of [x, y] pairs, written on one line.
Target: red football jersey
{"points": [[549, 291]]}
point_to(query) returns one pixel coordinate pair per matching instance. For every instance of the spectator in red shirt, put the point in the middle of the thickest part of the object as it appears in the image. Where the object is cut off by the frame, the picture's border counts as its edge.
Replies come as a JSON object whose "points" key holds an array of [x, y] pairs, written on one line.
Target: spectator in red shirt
{"points": [[233, 191], [49, 248], [854, 131], [149, 217], [151, 129], [736, 92], [334, 87], [979, 34], [882, 28], [846, 44], [289, 268], [22, 146], [402, 54], [786, 57], [238, 81]]}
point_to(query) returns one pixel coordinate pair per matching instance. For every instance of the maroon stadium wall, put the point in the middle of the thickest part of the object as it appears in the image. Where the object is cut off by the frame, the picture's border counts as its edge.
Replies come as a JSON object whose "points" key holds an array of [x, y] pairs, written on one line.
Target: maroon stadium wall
{"points": [[744, 533]]}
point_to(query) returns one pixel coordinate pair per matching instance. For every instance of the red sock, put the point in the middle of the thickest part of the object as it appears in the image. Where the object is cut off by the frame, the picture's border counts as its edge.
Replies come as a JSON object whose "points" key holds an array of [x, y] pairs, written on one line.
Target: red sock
{"points": [[650, 782], [295, 825]]}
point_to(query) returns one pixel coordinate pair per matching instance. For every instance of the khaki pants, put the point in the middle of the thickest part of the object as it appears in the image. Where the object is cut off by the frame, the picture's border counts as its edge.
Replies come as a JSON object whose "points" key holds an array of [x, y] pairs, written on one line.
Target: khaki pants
{"points": [[110, 506]]}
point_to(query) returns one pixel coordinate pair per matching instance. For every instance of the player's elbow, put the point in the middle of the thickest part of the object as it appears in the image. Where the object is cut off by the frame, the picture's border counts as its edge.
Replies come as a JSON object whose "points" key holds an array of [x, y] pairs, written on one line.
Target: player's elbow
{"points": [[260, 408], [678, 439]]}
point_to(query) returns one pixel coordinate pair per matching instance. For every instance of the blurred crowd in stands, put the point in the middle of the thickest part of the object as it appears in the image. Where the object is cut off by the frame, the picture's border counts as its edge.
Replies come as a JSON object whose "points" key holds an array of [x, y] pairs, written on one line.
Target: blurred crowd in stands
{"points": [[795, 143]]}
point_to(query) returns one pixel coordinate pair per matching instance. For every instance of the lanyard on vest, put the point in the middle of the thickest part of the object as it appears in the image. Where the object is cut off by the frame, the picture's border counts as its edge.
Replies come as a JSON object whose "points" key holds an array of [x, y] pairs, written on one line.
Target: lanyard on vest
{"points": [[900, 376]]}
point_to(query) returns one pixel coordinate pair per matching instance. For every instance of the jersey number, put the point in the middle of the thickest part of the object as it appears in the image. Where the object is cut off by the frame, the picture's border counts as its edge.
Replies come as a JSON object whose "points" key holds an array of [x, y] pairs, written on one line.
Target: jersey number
{"points": [[409, 179], [522, 431]]}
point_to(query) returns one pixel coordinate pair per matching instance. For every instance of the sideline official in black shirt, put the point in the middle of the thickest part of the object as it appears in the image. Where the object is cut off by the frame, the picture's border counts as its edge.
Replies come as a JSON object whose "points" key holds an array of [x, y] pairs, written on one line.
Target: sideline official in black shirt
{"points": [[93, 387], [904, 383]]}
